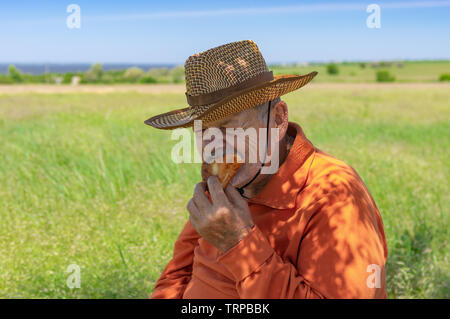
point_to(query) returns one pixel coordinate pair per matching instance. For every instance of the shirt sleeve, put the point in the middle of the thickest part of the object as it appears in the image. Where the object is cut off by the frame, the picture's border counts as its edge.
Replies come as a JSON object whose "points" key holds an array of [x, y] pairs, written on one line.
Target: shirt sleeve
{"points": [[340, 244], [177, 274], [261, 274]]}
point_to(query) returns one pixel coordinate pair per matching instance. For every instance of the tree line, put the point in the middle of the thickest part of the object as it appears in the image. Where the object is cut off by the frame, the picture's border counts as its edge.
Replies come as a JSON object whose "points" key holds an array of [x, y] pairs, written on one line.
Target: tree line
{"points": [[96, 74]]}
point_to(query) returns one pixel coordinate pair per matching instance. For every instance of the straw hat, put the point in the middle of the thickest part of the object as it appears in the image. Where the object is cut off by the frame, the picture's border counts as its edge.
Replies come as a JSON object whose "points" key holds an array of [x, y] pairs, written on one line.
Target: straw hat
{"points": [[226, 80]]}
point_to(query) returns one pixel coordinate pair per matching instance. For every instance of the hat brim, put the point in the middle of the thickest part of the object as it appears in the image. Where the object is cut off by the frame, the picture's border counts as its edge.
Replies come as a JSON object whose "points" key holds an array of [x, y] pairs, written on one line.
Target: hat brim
{"points": [[240, 101]]}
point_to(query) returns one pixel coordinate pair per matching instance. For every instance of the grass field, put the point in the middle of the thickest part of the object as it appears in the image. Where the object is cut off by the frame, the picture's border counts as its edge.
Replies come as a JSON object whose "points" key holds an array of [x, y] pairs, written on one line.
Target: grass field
{"points": [[409, 71], [84, 181]]}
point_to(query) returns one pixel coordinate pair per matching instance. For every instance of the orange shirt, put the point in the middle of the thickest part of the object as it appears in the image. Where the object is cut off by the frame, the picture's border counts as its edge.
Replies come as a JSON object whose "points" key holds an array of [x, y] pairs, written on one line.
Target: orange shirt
{"points": [[317, 234]]}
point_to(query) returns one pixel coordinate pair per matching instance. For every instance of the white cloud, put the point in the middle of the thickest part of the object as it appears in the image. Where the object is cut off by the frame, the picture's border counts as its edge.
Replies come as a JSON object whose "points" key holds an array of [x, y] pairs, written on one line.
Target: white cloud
{"points": [[326, 7]]}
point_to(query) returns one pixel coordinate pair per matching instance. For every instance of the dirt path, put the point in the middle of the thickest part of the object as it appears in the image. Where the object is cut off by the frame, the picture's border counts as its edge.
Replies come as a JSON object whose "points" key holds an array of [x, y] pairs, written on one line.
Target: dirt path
{"points": [[180, 88], [49, 88]]}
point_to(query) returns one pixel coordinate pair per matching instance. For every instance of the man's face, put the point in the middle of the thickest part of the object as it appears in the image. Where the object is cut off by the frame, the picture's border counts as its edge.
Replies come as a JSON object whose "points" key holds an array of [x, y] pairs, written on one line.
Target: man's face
{"points": [[247, 146]]}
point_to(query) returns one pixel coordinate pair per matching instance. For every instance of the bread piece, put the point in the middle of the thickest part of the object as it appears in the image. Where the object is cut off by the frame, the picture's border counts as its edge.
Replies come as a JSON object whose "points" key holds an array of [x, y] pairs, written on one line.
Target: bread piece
{"points": [[224, 171]]}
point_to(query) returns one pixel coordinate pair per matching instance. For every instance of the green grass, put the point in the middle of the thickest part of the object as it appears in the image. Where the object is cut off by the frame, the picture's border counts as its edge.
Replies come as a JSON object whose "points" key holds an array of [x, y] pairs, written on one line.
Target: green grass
{"points": [[417, 71], [83, 180]]}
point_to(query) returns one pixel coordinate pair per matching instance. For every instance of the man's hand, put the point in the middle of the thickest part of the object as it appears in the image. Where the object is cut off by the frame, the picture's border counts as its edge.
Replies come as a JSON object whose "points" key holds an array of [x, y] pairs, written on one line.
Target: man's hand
{"points": [[225, 221]]}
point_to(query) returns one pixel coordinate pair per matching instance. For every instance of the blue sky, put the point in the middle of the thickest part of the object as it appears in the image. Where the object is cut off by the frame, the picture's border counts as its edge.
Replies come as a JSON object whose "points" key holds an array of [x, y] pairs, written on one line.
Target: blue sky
{"points": [[169, 31]]}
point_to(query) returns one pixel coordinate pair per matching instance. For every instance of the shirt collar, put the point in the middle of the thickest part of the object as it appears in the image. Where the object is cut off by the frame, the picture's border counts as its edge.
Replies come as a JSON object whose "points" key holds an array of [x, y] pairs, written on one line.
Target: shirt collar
{"points": [[282, 188]]}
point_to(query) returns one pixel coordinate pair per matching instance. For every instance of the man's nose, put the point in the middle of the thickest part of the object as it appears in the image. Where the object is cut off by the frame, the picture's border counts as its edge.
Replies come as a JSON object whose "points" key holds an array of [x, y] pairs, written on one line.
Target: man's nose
{"points": [[218, 139]]}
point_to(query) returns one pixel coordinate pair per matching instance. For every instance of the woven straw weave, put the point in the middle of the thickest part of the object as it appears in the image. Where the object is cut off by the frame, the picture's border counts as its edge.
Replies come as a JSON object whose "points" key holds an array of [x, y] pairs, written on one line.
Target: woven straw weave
{"points": [[223, 66], [220, 68]]}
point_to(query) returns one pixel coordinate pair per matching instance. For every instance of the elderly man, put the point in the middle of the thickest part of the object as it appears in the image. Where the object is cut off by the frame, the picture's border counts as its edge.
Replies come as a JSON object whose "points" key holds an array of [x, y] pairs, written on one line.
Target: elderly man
{"points": [[310, 229]]}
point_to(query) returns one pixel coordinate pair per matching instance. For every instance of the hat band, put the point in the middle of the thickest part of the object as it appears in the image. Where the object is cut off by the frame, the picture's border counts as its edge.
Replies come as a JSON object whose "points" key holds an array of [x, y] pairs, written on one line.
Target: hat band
{"points": [[216, 96]]}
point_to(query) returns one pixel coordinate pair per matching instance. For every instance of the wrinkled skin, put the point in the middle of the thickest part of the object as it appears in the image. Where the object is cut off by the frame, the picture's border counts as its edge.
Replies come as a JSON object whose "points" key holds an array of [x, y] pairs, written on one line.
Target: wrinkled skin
{"points": [[225, 219]]}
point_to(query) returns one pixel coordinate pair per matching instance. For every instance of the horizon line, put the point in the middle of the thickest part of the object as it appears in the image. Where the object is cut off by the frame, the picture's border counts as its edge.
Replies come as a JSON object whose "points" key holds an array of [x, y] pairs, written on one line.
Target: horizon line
{"points": [[267, 62]]}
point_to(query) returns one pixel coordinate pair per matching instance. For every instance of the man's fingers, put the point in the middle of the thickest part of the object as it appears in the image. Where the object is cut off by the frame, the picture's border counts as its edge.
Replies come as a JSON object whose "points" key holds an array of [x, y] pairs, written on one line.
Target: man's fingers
{"points": [[194, 213], [234, 196], [193, 221], [216, 190], [200, 198]]}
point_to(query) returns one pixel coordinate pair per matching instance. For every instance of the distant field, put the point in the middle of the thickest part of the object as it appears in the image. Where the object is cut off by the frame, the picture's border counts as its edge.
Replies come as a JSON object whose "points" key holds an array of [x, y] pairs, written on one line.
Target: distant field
{"points": [[84, 181], [181, 88], [426, 71], [348, 72]]}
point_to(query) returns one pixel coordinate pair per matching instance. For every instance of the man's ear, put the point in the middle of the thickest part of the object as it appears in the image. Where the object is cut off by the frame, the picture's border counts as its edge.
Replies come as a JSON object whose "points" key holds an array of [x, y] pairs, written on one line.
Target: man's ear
{"points": [[280, 115]]}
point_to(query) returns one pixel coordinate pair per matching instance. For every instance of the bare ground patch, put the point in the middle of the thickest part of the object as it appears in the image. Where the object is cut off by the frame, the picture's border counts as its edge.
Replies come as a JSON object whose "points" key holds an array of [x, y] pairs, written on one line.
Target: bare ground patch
{"points": [[50, 89], [180, 88]]}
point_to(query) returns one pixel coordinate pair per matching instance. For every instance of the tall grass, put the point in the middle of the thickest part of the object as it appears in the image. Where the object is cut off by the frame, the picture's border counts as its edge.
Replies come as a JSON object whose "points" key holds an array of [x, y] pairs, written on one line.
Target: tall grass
{"points": [[84, 181]]}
